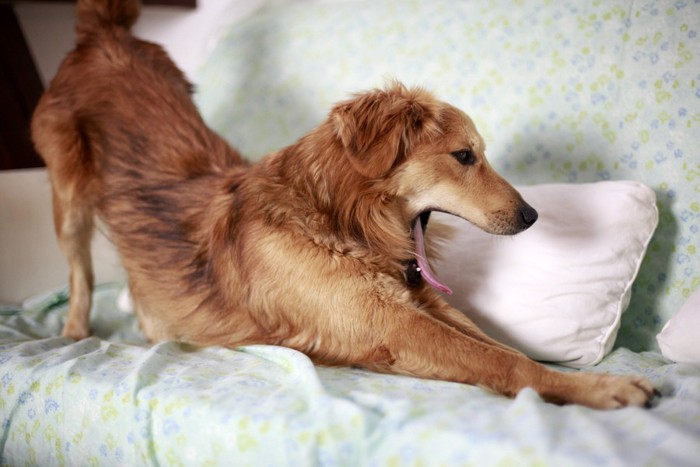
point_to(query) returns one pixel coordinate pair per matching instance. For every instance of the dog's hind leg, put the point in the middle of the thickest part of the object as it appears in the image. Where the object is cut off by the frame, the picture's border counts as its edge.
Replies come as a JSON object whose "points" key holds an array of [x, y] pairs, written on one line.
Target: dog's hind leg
{"points": [[68, 159], [74, 227]]}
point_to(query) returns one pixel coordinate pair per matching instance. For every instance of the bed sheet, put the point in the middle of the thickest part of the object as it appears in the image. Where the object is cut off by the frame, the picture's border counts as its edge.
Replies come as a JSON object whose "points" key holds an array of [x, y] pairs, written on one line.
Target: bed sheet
{"points": [[112, 400]]}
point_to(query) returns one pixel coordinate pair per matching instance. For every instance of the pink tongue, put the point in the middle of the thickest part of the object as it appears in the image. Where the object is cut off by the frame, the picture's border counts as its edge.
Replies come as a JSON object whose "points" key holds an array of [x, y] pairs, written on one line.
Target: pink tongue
{"points": [[422, 259]]}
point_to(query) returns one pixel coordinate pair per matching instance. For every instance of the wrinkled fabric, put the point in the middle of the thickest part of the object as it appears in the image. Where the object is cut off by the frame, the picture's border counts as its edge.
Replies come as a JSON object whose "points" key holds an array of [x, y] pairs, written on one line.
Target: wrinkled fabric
{"points": [[104, 401]]}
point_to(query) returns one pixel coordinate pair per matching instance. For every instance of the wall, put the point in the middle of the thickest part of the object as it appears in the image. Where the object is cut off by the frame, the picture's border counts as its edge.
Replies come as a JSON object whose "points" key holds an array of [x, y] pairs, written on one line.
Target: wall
{"points": [[186, 34], [30, 260]]}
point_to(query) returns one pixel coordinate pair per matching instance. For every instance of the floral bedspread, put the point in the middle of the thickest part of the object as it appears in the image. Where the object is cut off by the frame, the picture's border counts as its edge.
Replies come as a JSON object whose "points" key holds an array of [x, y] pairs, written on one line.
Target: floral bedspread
{"points": [[111, 400]]}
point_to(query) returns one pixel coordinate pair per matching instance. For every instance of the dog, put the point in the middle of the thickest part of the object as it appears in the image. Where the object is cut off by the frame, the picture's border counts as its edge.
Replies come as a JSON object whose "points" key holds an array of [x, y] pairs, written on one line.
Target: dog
{"points": [[318, 247]]}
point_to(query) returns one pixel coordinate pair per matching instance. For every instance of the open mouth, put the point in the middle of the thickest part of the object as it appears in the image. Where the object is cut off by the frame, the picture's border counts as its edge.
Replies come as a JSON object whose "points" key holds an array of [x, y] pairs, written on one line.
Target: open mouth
{"points": [[419, 226]]}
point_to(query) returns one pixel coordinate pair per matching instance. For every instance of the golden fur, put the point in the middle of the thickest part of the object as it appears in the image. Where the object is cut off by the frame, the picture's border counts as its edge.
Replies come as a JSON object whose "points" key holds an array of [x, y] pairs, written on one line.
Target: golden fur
{"points": [[306, 249]]}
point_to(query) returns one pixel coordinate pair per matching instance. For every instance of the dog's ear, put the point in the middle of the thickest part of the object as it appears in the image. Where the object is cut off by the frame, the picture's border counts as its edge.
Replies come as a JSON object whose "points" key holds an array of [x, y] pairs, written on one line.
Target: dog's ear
{"points": [[378, 128]]}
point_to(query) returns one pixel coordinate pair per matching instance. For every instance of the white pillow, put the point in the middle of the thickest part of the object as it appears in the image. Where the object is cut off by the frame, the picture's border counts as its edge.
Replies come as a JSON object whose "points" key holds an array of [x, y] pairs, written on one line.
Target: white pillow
{"points": [[679, 340], [556, 291]]}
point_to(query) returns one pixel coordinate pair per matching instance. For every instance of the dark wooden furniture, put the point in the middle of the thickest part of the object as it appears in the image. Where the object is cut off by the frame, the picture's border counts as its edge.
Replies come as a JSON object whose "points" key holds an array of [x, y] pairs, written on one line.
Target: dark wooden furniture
{"points": [[21, 87], [182, 3]]}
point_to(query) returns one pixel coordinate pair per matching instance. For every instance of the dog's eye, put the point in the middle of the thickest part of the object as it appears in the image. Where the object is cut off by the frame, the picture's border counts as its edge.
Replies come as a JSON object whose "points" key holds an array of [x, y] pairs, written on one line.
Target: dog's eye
{"points": [[465, 156]]}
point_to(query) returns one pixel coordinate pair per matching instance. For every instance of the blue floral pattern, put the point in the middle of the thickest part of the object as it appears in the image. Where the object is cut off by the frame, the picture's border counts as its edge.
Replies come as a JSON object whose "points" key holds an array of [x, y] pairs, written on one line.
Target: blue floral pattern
{"points": [[101, 401]]}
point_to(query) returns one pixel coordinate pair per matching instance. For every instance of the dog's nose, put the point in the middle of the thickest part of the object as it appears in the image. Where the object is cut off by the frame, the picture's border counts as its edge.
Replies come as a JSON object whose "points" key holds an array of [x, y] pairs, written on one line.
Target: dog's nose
{"points": [[528, 214]]}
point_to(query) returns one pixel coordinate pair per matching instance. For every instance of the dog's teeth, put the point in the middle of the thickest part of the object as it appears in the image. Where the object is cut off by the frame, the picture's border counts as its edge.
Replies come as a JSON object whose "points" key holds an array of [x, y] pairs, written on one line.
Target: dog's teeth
{"points": [[418, 269]]}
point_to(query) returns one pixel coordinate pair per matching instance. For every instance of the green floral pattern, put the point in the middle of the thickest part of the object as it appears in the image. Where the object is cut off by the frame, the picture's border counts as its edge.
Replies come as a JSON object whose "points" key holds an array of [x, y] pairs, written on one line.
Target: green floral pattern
{"points": [[562, 91], [104, 402]]}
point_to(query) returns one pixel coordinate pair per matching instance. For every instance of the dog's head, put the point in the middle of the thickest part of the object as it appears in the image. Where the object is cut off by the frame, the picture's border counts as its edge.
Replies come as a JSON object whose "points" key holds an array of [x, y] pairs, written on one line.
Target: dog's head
{"points": [[431, 154]]}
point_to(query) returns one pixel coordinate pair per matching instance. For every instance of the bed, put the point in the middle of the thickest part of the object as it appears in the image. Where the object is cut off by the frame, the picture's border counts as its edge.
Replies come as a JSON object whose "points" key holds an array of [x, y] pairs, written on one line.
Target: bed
{"points": [[572, 98]]}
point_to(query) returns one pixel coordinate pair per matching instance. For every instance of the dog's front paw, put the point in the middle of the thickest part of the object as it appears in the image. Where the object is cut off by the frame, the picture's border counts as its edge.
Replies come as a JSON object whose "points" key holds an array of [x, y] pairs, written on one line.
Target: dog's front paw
{"points": [[615, 392]]}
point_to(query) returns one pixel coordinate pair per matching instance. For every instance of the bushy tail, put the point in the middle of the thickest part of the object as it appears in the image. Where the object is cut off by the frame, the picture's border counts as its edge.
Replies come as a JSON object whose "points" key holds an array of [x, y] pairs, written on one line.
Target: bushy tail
{"points": [[96, 15]]}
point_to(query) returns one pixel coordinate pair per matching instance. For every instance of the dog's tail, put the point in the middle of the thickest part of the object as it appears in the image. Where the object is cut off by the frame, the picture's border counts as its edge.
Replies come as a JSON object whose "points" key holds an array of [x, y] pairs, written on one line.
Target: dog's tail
{"points": [[97, 15]]}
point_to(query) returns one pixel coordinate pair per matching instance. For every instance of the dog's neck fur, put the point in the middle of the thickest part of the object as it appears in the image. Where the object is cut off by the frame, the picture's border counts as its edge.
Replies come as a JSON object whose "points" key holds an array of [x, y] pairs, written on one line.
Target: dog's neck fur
{"points": [[369, 217]]}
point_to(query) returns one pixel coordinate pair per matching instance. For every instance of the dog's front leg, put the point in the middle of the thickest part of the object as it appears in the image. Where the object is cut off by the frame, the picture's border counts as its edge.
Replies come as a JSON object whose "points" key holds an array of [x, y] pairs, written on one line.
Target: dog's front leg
{"points": [[558, 387], [418, 344], [438, 308]]}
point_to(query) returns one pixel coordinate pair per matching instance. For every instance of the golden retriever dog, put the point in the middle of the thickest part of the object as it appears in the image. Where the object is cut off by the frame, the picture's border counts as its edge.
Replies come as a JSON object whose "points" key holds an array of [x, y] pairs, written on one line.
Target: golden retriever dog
{"points": [[318, 247]]}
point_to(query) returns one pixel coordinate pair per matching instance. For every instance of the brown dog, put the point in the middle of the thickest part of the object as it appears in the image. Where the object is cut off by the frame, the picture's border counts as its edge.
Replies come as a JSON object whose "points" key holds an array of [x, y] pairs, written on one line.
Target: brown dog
{"points": [[313, 248]]}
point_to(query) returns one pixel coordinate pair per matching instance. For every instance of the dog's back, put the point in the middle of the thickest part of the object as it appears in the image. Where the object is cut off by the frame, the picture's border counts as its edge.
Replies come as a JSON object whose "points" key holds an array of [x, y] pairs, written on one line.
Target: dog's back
{"points": [[122, 139]]}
